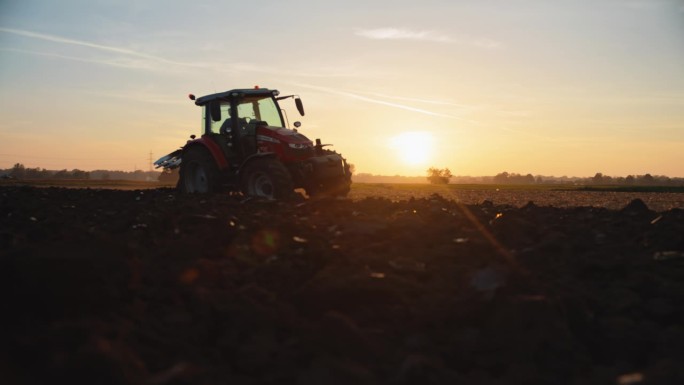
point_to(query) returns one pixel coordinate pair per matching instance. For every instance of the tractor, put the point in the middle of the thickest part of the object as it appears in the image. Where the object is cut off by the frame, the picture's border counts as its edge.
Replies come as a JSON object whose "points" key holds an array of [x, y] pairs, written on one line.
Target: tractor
{"points": [[246, 147]]}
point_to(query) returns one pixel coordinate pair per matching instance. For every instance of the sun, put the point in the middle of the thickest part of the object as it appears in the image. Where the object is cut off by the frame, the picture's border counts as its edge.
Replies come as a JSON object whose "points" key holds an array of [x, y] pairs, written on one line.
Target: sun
{"points": [[414, 148]]}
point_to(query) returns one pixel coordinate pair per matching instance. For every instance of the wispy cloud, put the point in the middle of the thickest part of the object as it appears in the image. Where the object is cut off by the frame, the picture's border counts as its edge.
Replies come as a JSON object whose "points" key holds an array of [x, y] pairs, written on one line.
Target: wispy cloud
{"points": [[427, 101], [500, 127], [101, 47], [426, 35], [142, 97], [126, 58], [402, 34], [117, 62], [377, 101]]}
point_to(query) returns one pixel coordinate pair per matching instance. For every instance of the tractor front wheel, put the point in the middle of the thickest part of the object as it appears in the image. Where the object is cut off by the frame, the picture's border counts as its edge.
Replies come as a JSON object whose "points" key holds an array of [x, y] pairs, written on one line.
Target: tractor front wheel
{"points": [[266, 178], [198, 172]]}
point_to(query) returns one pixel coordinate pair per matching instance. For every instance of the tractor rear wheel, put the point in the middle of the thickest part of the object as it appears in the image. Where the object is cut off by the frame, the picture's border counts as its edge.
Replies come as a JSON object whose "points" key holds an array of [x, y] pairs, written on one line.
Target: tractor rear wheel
{"points": [[266, 178], [198, 172]]}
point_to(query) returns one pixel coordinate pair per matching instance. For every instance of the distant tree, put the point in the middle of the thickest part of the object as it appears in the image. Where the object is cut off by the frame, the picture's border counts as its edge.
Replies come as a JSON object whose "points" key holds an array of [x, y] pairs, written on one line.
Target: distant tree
{"points": [[629, 180], [352, 168], [597, 179], [79, 174], [32, 173], [439, 176], [501, 178], [18, 171], [647, 179]]}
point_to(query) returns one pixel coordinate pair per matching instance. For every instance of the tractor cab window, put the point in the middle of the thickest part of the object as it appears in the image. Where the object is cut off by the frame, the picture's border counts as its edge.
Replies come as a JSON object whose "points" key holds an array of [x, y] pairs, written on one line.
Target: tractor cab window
{"points": [[259, 108], [223, 125]]}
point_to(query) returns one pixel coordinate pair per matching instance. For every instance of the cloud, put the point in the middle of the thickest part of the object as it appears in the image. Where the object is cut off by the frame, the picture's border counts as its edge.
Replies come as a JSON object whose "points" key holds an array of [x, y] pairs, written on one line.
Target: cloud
{"points": [[142, 97], [101, 47], [402, 34], [117, 62], [500, 127], [131, 59], [376, 101], [429, 36], [428, 101]]}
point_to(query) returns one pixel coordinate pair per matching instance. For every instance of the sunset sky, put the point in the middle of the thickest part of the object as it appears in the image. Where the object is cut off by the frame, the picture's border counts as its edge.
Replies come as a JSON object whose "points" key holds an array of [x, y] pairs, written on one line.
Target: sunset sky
{"points": [[526, 86]]}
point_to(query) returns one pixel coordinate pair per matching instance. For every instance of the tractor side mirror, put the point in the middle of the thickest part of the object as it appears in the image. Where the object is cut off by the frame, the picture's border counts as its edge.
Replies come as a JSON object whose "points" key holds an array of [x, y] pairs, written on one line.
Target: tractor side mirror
{"points": [[300, 106], [215, 111]]}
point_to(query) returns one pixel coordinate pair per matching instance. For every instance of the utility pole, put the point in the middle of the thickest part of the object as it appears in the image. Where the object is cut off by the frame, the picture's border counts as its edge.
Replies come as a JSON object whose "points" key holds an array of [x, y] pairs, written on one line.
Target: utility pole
{"points": [[150, 162]]}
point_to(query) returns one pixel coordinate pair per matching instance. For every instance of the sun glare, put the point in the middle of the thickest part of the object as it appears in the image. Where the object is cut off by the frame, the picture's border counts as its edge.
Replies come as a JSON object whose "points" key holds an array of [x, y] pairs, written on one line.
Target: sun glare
{"points": [[413, 148]]}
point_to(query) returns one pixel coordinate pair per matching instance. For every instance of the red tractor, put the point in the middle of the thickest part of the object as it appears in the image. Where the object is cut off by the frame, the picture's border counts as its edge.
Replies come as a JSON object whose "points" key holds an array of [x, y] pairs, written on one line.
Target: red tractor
{"points": [[245, 146]]}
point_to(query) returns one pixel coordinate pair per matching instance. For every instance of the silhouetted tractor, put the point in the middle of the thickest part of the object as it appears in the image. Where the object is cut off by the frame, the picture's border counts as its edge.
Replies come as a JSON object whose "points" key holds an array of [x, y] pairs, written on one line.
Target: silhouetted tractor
{"points": [[245, 146]]}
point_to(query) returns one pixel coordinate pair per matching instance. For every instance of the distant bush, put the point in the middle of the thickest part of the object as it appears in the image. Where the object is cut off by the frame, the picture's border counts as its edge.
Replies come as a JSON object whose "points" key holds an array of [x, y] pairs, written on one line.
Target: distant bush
{"points": [[439, 176], [513, 178]]}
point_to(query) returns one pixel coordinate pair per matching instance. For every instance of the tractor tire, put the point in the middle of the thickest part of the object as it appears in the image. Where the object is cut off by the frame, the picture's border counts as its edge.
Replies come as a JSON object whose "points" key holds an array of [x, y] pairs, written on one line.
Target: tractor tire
{"points": [[199, 173], [342, 188], [337, 187], [266, 178]]}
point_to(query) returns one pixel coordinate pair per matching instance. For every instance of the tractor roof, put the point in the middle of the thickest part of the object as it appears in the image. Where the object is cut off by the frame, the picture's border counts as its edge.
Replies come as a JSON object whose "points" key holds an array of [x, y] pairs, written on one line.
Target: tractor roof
{"points": [[242, 92]]}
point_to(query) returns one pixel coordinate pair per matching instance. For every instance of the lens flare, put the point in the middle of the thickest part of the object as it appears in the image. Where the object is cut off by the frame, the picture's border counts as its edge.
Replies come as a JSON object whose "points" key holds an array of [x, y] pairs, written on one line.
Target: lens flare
{"points": [[266, 242]]}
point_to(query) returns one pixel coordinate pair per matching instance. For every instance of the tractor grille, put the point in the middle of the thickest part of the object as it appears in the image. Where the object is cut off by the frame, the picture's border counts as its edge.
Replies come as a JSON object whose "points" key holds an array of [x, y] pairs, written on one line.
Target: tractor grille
{"points": [[299, 153]]}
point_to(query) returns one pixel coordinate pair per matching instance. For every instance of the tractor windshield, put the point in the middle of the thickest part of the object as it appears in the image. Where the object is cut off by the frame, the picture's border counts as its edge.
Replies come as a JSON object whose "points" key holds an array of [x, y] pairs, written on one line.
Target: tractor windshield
{"points": [[261, 108]]}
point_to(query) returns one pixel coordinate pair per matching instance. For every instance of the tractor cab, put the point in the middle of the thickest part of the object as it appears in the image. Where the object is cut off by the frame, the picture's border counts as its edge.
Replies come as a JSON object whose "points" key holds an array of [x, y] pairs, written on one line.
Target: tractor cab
{"points": [[238, 120]]}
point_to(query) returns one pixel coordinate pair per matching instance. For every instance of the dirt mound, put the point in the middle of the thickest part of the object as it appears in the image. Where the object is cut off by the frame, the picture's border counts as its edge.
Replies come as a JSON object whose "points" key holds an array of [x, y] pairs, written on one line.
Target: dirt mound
{"points": [[129, 287]]}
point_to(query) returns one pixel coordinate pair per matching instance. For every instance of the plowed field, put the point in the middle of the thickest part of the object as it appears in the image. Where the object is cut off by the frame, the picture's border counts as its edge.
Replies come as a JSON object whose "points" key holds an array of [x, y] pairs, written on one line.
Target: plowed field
{"points": [[390, 286]]}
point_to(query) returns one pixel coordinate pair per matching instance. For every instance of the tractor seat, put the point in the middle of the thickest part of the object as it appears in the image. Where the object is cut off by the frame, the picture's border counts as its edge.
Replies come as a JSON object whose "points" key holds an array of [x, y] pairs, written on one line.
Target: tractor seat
{"points": [[248, 137], [225, 127]]}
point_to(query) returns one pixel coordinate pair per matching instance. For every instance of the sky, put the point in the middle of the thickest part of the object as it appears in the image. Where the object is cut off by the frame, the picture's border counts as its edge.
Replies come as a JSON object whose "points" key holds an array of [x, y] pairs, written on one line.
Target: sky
{"points": [[563, 87]]}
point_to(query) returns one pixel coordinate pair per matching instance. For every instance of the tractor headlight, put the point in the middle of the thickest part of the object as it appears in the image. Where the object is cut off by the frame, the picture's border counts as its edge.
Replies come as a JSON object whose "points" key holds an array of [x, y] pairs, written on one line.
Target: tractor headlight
{"points": [[299, 146]]}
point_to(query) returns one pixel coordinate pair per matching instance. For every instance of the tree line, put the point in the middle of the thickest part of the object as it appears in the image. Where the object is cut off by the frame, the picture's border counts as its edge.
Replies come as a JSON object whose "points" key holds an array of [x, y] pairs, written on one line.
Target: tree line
{"points": [[598, 179], [444, 176], [19, 171], [434, 175]]}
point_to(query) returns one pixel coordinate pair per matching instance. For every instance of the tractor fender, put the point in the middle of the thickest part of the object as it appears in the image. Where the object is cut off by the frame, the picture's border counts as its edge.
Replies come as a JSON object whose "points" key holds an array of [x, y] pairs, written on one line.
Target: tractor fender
{"points": [[210, 146], [257, 155]]}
